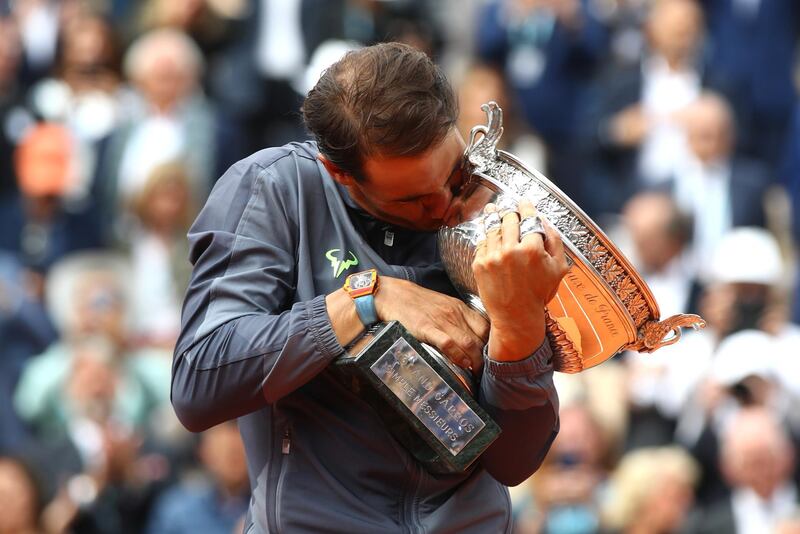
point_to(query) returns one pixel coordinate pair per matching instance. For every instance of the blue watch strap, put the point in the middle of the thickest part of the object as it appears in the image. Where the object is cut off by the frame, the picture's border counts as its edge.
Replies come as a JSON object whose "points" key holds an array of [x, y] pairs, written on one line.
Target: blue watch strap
{"points": [[365, 307]]}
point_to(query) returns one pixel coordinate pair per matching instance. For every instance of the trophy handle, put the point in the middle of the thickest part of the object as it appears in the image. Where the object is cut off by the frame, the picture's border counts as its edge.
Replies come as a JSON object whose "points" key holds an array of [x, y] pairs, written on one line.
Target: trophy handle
{"points": [[490, 133], [654, 334]]}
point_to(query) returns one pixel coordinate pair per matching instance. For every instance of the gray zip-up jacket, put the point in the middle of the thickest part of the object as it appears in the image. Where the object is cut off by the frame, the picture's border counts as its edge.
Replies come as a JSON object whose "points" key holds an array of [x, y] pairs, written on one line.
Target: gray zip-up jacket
{"points": [[276, 235]]}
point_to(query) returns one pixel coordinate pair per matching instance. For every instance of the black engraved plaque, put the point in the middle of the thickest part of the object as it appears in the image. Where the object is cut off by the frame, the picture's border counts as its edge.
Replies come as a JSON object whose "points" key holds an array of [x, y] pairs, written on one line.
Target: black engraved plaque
{"points": [[425, 406]]}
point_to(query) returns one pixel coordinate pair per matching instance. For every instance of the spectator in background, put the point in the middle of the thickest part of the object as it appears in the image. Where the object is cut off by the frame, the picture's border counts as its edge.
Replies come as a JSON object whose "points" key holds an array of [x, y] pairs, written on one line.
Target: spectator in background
{"points": [[651, 491], [744, 292], [255, 77], [416, 31], [25, 330], [625, 19], [20, 498], [719, 190], [82, 92], [38, 224], [38, 22], [91, 374], [733, 381], [564, 496], [660, 234], [209, 24], [259, 77], [93, 402], [113, 492], [163, 211], [89, 383], [548, 50], [667, 388], [746, 285], [752, 54], [634, 129], [215, 504], [170, 120], [757, 459], [14, 117], [790, 177], [744, 300], [481, 84], [362, 22]]}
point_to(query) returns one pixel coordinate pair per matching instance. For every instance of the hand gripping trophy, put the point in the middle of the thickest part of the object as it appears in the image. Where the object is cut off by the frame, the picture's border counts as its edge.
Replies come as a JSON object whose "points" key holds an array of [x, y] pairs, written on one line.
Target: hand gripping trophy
{"points": [[601, 308]]}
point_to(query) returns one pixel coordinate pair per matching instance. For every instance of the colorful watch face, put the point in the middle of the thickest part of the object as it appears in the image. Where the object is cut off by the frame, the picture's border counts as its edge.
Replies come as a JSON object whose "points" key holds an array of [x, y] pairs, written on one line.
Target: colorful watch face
{"points": [[360, 284]]}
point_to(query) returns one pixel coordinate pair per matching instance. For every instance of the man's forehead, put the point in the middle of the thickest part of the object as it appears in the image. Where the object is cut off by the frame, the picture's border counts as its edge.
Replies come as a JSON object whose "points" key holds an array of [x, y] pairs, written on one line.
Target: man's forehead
{"points": [[414, 171]]}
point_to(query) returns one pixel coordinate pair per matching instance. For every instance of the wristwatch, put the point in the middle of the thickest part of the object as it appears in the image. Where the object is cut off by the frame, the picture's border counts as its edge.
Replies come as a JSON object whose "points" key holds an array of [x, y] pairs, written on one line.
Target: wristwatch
{"points": [[362, 287]]}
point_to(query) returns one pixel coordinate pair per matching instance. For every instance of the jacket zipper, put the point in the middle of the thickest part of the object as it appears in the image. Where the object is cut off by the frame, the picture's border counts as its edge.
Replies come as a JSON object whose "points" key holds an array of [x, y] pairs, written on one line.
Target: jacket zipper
{"points": [[286, 448], [415, 511], [411, 501], [277, 466]]}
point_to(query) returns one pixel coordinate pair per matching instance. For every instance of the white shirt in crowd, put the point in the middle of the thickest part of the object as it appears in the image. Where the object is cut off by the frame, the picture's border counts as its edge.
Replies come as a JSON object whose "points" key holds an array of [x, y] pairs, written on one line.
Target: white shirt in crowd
{"points": [[664, 93], [280, 51], [156, 304], [703, 191], [754, 515]]}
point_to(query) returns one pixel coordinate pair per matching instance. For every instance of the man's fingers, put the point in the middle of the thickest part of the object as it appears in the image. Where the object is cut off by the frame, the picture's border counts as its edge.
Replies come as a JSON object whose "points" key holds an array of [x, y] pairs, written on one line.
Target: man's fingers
{"points": [[553, 244], [470, 346], [510, 236], [473, 345], [526, 209], [480, 246], [552, 239], [477, 323], [462, 352], [492, 225], [465, 333], [530, 225]]}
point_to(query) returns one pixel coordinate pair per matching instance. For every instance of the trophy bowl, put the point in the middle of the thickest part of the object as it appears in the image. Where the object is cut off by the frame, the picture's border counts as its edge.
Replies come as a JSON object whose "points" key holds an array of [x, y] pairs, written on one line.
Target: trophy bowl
{"points": [[602, 306]]}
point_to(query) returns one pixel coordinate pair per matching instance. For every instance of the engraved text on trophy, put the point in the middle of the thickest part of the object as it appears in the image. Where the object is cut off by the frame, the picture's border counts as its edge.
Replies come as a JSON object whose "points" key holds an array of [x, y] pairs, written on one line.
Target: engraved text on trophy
{"points": [[427, 396]]}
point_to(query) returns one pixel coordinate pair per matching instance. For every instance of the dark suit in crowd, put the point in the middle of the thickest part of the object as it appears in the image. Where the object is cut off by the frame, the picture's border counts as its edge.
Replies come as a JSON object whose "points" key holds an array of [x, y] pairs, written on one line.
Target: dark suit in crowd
{"points": [[549, 67], [752, 53]]}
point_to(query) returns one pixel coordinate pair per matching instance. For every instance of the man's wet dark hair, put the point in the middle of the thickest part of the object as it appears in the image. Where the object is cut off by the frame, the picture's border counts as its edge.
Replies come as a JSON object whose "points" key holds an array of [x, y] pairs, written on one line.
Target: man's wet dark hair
{"points": [[388, 99]]}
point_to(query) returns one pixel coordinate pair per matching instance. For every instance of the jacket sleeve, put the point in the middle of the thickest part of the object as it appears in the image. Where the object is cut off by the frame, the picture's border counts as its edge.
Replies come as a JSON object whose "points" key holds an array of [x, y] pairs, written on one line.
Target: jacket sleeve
{"points": [[243, 342], [522, 399]]}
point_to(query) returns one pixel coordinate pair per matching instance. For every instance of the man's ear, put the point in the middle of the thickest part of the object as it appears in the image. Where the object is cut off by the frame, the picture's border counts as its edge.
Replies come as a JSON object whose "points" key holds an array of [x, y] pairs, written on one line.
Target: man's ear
{"points": [[338, 174]]}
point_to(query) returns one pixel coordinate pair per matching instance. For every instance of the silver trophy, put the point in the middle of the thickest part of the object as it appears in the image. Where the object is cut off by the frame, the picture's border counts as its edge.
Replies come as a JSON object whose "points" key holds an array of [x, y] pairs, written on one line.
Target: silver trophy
{"points": [[602, 306]]}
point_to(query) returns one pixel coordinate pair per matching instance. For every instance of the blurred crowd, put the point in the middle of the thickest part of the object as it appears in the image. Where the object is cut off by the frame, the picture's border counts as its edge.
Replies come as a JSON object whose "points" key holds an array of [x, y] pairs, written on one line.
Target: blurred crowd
{"points": [[675, 124]]}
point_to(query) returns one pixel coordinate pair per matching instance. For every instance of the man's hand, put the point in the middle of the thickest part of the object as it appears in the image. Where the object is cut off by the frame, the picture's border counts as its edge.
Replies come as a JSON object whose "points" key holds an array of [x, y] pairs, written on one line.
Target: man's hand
{"points": [[630, 126], [434, 318], [441, 321], [516, 278]]}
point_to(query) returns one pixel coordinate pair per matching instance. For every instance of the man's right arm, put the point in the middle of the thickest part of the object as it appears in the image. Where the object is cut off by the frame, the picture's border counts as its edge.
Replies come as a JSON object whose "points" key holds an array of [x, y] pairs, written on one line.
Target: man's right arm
{"points": [[243, 343]]}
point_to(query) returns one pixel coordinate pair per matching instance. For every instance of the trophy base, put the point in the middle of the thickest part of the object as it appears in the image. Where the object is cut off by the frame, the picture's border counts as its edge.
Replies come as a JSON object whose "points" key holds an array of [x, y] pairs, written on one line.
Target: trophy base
{"points": [[424, 404]]}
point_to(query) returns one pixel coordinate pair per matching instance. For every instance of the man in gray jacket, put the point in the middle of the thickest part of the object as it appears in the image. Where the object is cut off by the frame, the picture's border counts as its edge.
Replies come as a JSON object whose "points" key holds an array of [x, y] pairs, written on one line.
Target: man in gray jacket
{"points": [[266, 312]]}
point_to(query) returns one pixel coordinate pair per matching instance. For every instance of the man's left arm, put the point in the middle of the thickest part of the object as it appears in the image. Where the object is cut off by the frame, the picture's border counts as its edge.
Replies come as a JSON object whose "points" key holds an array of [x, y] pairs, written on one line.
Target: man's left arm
{"points": [[521, 398], [516, 276]]}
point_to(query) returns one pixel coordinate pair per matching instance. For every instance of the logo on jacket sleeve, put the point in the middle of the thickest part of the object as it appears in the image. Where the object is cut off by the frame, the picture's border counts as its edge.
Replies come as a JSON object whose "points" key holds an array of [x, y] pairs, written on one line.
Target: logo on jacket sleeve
{"points": [[340, 264]]}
